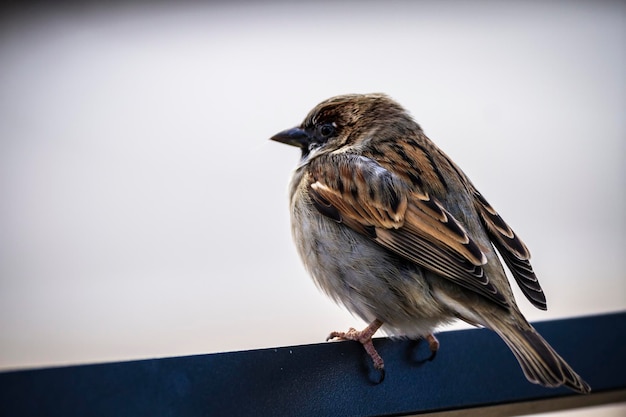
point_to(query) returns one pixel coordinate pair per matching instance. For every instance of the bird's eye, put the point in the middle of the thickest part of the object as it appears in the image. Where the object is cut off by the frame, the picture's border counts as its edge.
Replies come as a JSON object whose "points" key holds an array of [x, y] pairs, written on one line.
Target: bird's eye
{"points": [[327, 130]]}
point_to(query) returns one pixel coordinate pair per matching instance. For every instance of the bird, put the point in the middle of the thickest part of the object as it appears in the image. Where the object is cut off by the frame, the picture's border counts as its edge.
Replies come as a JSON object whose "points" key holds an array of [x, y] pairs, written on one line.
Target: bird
{"points": [[389, 227]]}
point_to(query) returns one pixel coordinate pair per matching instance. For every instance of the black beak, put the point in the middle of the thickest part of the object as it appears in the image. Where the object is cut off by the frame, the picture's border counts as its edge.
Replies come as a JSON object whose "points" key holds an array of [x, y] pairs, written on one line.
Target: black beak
{"points": [[294, 137]]}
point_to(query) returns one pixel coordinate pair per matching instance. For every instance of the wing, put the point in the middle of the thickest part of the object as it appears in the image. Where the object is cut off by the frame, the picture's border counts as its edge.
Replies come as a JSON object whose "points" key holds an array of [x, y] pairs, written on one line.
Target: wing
{"points": [[513, 251], [371, 200]]}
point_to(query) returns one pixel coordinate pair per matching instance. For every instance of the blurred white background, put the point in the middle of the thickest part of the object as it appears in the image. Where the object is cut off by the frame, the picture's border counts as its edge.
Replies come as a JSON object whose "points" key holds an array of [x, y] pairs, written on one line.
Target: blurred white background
{"points": [[143, 211]]}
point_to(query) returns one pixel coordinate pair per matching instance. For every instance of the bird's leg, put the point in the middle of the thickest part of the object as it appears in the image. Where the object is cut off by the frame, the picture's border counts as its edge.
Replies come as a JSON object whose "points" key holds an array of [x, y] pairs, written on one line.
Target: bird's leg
{"points": [[365, 338], [433, 345]]}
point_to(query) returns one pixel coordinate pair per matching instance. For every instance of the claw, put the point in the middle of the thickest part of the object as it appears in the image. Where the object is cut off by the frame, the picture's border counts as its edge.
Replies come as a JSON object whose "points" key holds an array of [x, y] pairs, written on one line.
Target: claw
{"points": [[351, 334]]}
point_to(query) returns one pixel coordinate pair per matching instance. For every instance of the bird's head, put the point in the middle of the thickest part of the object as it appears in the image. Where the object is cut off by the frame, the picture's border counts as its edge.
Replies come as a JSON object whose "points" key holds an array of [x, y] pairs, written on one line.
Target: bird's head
{"points": [[345, 121]]}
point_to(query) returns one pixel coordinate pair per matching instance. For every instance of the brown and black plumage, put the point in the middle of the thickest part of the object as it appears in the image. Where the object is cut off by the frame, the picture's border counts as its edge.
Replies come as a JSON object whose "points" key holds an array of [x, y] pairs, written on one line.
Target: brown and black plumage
{"points": [[391, 228]]}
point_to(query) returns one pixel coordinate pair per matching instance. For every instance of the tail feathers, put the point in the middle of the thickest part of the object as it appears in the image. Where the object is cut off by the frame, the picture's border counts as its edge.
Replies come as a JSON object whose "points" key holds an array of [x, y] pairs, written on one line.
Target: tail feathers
{"points": [[540, 363]]}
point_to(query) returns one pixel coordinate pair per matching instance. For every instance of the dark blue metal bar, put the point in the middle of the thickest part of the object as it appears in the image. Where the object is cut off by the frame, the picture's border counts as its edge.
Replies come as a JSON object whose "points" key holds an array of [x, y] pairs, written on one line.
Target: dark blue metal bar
{"points": [[473, 368]]}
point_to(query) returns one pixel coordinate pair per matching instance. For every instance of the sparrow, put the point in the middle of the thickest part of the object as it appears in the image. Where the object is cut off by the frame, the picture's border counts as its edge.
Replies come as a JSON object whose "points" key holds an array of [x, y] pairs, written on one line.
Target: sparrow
{"points": [[391, 228]]}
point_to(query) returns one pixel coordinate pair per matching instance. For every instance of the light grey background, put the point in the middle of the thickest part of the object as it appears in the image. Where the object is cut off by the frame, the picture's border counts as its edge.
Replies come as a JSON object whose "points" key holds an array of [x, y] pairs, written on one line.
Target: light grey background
{"points": [[143, 212]]}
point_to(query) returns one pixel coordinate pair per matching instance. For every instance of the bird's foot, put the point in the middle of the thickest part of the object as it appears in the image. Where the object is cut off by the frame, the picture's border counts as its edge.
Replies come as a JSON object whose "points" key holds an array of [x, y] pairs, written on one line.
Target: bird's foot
{"points": [[433, 345], [364, 337]]}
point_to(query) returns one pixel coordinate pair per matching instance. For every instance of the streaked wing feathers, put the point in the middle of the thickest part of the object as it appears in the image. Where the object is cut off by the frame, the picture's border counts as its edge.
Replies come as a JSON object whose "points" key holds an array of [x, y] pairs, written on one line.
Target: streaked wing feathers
{"points": [[366, 197], [359, 188], [416, 246], [513, 251]]}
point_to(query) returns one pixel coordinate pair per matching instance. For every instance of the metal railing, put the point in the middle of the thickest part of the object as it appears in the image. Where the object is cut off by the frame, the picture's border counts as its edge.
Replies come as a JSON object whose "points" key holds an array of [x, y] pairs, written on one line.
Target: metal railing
{"points": [[474, 374]]}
